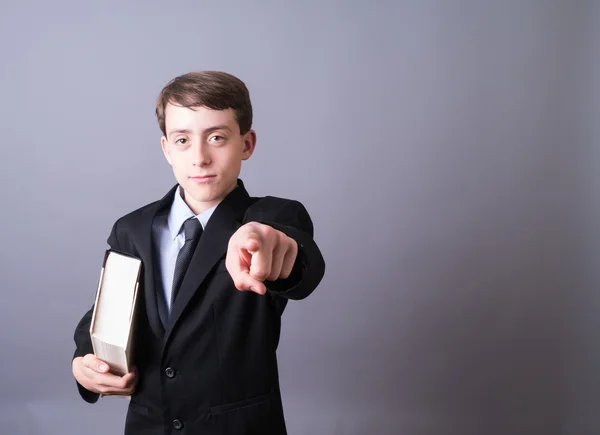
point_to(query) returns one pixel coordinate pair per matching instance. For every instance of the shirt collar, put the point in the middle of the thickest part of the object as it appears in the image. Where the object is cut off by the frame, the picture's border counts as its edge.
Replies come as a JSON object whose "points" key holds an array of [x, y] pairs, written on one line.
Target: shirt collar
{"points": [[180, 212]]}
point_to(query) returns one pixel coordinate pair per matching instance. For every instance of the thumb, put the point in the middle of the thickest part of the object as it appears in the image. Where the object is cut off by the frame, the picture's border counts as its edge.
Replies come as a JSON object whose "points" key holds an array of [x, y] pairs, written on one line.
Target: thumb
{"points": [[243, 281], [95, 364]]}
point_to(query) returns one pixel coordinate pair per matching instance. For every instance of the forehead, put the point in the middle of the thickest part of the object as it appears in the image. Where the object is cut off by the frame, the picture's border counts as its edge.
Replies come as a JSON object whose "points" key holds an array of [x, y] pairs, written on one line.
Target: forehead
{"points": [[197, 118]]}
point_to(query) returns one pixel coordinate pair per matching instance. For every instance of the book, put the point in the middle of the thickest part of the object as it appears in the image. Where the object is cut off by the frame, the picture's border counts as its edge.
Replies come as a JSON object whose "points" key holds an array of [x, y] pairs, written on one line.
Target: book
{"points": [[112, 324]]}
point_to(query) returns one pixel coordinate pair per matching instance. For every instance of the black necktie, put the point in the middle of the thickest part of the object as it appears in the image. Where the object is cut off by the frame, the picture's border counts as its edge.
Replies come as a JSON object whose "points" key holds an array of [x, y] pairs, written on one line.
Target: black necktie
{"points": [[193, 231]]}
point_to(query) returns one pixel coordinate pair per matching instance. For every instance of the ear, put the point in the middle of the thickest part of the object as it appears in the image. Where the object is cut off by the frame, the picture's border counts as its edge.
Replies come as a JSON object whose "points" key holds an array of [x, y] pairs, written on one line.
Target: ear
{"points": [[164, 144], [249, 141]]}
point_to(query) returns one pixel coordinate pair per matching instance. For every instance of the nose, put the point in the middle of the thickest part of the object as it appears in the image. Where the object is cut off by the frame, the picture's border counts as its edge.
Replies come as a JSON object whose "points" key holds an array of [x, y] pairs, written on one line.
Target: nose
{"points": [[200, 154]]}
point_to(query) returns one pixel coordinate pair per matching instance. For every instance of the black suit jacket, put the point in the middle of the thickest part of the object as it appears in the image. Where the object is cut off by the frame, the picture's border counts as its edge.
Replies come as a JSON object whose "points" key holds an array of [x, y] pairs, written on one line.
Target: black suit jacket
{"points": [[212, 368]]}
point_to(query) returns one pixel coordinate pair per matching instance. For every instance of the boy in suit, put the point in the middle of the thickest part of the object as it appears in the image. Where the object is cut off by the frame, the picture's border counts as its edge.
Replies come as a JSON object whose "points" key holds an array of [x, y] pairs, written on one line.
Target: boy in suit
{"points": [[218, 269]]}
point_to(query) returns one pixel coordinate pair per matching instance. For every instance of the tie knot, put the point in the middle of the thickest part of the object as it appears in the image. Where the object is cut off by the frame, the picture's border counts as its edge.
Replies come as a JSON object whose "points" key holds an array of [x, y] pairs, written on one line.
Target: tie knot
{"points": [[192, 228]]}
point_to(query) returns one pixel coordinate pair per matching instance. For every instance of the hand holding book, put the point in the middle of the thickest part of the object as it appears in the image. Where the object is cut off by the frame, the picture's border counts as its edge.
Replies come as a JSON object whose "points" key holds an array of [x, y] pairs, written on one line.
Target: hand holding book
{"points": [[109, 371], [94, 375]]}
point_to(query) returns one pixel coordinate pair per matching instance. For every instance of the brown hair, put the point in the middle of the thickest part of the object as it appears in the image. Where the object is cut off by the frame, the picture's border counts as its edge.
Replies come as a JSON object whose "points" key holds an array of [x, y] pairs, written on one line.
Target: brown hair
{"points": [[215, 90]]}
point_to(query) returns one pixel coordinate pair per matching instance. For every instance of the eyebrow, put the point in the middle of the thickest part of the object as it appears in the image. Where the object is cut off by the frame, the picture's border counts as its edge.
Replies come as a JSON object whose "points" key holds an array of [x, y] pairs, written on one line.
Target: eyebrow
{"points": [[206, 131]]}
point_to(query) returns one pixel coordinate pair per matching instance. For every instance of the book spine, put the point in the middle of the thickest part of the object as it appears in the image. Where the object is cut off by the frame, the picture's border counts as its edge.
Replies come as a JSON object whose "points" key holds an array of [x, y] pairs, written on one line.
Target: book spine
{"points": [[96, 301]]}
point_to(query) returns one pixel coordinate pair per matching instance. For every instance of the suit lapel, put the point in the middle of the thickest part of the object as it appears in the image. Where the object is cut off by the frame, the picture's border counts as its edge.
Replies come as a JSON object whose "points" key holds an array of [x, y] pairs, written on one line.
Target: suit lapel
{"points": [[226, 219], [147, 255]]}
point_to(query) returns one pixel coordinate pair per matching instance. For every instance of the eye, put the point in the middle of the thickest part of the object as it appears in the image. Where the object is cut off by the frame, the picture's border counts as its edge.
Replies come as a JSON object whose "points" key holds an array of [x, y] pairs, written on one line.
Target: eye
{"points": [[181, 141], [217, 138]]}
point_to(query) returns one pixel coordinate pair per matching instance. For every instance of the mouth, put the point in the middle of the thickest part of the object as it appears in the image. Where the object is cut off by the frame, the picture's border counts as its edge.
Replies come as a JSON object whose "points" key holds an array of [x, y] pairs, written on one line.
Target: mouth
{"points": [[202, 178]]}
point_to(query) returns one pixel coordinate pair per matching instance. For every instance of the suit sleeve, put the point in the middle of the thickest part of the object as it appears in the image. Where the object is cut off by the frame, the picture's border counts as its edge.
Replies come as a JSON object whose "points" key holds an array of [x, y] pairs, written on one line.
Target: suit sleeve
{"points": [[82, 338], [308, 271]]}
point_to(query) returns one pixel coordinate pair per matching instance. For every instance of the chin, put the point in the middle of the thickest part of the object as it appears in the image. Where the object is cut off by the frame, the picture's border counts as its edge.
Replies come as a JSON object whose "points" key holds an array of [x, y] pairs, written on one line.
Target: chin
{"points": [[204, 194]]}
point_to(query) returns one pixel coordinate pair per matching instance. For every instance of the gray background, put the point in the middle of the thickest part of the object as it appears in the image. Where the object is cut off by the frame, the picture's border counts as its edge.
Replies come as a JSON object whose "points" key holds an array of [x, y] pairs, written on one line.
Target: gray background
{"points": [[446, 150]]}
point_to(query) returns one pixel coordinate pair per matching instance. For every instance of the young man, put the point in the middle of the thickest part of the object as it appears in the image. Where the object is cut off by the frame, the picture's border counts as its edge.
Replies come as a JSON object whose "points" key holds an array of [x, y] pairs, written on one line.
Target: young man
{"points": [[218, 269]]}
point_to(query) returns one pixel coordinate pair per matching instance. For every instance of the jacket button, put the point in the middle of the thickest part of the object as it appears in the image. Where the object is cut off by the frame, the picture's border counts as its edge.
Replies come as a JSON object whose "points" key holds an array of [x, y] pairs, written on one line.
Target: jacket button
{"points": [[177, 424], [170, 372]]}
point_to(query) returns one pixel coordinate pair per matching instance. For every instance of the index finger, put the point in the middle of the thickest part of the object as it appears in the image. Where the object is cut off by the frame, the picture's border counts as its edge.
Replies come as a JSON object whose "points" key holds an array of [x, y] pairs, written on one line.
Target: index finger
{"points": [[252, 243], [262, 263]]}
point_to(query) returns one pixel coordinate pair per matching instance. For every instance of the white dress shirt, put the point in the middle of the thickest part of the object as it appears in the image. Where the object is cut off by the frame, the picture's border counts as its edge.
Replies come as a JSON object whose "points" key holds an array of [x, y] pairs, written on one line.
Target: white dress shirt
{"points": [[169, 238]]}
